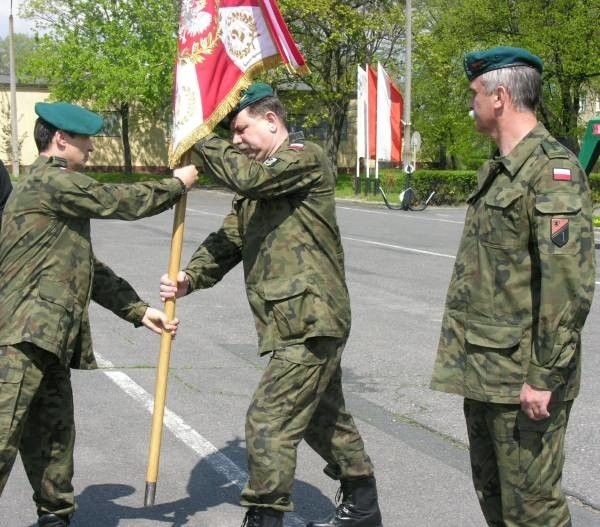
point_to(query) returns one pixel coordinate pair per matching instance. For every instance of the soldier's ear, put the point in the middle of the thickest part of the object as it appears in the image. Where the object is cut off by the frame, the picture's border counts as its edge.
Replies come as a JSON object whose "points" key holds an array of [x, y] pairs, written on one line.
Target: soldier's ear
{"points": [[272, 120], [502, 96], [60, 138]]}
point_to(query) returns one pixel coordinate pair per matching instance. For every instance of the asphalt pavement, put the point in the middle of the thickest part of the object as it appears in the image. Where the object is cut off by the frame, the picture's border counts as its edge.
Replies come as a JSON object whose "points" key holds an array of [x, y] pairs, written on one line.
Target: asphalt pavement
{"points": [[398, 265]]}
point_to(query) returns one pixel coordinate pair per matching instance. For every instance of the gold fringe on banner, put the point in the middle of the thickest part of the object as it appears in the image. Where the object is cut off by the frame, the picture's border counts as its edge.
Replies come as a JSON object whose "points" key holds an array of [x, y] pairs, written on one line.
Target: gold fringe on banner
{"points": [[224, 108]]}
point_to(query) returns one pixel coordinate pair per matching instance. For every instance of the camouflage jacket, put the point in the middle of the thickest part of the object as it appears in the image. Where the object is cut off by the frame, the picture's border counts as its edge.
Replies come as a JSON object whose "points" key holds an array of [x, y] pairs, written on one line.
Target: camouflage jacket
{"points": [[523, 279], [283, 227], [48, 272]]}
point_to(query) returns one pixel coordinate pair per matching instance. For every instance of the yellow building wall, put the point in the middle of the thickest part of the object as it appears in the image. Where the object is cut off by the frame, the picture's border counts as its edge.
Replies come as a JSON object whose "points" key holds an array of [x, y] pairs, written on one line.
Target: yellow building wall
{"points": [[26, 99], [148, 139]]}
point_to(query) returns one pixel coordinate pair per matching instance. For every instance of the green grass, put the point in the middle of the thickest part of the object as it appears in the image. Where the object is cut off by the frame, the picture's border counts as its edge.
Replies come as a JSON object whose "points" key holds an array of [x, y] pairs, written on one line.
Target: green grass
{"points": [[344, 189], [344, 185]]}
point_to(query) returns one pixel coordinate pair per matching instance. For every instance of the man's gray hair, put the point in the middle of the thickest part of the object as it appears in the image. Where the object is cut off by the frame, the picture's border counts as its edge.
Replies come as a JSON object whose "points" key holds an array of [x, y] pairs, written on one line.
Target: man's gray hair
{"points": [[269, 104], [524, 85]]}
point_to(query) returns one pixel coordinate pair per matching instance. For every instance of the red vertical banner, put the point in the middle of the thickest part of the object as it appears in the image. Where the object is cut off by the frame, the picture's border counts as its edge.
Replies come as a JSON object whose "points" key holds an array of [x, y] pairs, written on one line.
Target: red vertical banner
{"points": [[372, 110], [397, 110]]}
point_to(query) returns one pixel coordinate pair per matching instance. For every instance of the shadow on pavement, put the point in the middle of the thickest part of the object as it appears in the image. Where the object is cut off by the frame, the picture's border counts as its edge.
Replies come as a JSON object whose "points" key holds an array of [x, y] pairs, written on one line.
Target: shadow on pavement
{"points": [[98, 505]]}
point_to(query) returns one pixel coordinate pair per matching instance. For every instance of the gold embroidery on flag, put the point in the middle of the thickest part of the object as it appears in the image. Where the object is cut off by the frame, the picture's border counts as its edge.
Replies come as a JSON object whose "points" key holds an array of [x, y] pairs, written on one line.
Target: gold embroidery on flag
{"points": [[194, 22], [205, 46], [242, 34], [184, 107]]}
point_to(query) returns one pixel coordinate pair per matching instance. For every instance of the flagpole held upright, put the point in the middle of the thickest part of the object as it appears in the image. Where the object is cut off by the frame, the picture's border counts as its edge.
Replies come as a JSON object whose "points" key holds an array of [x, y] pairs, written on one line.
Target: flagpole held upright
{"points": [[209, 76], [162, 372]]}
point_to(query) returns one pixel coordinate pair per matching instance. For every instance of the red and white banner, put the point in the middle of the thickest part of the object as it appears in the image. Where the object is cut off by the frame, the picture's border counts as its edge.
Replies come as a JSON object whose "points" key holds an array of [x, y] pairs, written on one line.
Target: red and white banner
{"points": [[221, 45], [390, 106]]}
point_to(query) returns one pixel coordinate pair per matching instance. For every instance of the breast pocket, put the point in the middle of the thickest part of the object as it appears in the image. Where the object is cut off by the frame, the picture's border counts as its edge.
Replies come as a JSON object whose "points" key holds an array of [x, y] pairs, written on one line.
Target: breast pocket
{"points": [[501, 221], [558, 222]]}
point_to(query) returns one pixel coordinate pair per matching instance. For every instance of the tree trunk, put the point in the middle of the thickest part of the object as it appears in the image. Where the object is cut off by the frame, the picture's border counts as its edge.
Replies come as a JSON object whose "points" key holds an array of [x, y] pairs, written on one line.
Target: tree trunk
{"points": [[570, 111], [124, 111], [442, 157], [335, 123]]}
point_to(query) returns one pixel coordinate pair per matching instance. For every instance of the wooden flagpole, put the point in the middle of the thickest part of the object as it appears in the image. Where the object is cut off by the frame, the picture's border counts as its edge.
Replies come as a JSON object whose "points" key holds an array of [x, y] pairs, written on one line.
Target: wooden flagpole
{"points": [[162, 372]]}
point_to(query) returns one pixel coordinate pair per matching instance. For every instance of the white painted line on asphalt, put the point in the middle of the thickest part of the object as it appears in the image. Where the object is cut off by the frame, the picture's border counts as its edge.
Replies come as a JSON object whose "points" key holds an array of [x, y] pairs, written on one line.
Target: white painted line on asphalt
{"points": [[205, 213], [186, 434], [407, 249], [408, 216], [391, 246]]}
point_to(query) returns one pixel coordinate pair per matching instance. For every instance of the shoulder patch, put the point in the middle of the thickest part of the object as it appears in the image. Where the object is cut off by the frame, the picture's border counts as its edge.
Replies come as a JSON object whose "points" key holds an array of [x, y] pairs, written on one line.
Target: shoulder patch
{"points": [[561, 174], [297, 146], [559, 231], [270, 161]]}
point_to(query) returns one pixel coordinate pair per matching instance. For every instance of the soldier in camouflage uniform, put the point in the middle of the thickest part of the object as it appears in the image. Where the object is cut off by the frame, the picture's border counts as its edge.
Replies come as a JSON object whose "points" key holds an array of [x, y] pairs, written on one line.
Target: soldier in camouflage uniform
{"points": [[520, 293], [48, 274], [283, 228]]}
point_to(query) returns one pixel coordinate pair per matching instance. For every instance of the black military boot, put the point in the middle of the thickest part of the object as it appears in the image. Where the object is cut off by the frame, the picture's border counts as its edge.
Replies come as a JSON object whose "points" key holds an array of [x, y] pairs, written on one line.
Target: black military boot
{"points": [[52, 520], [359, 506], [263, 517]]}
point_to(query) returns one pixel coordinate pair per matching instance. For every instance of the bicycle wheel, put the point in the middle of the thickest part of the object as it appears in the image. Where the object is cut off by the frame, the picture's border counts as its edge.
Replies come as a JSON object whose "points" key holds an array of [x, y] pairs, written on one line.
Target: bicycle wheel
{"points": [[417, 204]]}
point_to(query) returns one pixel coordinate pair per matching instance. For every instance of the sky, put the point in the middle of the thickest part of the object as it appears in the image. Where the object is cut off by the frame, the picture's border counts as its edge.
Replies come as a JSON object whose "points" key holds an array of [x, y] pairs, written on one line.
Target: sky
{"points": [[20, 25]]}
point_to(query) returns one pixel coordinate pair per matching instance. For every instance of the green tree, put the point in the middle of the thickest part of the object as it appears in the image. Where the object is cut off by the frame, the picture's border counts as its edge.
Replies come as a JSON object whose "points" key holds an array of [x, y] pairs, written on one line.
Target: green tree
{"points": [[335, 36], [562, 32], [24, 46], [111, 54]]}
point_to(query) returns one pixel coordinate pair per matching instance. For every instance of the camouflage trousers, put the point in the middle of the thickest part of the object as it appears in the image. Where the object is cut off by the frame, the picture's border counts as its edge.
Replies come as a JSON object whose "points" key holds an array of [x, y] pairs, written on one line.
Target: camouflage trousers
{"points": [[517, 464], [36, 419], [300, 397]]}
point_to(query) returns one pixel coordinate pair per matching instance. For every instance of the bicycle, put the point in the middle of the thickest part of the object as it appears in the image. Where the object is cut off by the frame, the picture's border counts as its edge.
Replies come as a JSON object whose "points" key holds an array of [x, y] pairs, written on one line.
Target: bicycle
{"points": [[408, 198]]}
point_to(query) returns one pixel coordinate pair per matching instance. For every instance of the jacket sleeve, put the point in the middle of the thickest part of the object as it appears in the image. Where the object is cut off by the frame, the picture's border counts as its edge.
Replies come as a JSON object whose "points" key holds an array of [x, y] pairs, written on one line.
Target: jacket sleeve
{"points": [[77, 195], [288, 171], [564, 261], [116, 294], [216, 256]]}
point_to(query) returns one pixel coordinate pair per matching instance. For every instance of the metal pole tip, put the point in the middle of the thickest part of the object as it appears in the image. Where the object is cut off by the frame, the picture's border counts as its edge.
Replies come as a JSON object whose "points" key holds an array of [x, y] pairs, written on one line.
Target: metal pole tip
{"points": [[150, 494]]}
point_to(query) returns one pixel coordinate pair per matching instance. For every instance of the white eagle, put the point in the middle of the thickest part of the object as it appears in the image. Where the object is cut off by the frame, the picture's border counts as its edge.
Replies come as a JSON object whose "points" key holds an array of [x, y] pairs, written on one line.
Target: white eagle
{"points": [[194, 20]]}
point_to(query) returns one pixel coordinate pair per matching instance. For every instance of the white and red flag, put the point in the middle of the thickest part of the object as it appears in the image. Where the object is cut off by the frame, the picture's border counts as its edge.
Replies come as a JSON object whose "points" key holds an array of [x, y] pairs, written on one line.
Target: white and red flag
{"points": [[361, 114], [221, 45], [390, 106]]}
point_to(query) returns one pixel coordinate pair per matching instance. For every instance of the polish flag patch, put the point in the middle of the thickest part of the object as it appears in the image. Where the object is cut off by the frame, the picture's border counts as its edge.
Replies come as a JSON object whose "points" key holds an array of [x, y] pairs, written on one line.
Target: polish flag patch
{"points": [[561, 174]]}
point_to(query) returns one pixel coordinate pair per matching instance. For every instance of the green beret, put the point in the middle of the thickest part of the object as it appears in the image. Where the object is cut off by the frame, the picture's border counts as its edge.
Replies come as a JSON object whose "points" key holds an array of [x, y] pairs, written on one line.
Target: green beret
{"points": [[479, 62], [69, 117], [255, 92]]}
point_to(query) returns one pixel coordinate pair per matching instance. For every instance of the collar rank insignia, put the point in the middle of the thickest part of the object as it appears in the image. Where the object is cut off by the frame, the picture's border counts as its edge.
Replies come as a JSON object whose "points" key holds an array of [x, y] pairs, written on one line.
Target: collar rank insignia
{"points": [[559, 231], [561, 174], [270, 161]]}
